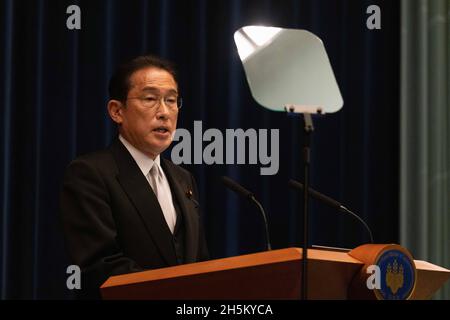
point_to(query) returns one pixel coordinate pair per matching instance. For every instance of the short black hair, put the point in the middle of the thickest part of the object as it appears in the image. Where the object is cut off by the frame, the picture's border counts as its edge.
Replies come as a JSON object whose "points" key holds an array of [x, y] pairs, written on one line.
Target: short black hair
{"points": [[119, 84]]}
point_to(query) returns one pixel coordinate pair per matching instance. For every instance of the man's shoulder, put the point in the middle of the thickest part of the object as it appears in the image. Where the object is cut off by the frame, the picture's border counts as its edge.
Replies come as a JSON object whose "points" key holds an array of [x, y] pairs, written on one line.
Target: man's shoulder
{"points": [[100, 160]]}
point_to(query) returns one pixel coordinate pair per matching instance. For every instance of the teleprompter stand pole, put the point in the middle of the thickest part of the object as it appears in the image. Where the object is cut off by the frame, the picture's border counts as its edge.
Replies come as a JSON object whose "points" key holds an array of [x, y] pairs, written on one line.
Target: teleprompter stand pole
{"points": [[308, 129]]}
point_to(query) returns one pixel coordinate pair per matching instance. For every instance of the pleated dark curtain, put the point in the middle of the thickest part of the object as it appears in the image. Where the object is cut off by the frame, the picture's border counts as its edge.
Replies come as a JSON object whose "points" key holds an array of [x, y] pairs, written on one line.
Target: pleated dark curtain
{"points": [[425, 122], [53, 93]]}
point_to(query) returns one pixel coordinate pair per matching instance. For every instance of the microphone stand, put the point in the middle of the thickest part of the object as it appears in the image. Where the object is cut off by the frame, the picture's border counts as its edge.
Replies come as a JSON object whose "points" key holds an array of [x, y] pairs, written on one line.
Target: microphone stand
{"points": [[266, 225], [234, 186], [308, 129]]}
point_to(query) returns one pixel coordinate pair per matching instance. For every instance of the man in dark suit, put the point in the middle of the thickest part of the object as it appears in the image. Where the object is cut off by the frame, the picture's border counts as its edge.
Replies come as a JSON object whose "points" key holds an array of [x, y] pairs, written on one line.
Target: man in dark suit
{"points": [[126, 209]]}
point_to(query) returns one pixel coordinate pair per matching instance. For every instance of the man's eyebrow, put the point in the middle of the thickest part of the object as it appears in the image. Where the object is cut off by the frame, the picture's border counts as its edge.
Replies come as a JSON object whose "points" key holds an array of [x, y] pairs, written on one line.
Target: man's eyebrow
{"points": [[154, 89]]}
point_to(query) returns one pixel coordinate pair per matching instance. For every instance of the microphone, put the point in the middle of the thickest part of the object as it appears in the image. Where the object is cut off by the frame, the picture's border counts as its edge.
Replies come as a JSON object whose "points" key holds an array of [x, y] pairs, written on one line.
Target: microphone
{"points": [[331, 202], [234, 186]]}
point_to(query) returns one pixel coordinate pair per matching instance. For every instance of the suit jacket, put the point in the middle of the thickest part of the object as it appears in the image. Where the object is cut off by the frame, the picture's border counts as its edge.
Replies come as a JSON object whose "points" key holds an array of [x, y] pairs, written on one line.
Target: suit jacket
{"points": [[112, 220]]}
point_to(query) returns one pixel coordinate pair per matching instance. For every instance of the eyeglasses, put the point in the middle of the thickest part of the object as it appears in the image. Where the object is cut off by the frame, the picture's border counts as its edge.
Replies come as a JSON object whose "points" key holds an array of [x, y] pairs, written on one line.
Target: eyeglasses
{"points": [[173, 102]]}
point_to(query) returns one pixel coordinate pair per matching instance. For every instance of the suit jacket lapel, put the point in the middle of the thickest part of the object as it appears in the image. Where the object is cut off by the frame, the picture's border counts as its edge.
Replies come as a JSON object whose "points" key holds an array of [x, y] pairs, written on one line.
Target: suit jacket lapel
{"points": [[191, 219], [136, 186]]}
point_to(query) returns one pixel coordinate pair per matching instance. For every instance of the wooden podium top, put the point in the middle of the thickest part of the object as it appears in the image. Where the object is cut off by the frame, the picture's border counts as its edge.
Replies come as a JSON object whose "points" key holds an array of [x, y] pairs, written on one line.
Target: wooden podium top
{"points": [[243, 261], [269, 266], [265, 275]]}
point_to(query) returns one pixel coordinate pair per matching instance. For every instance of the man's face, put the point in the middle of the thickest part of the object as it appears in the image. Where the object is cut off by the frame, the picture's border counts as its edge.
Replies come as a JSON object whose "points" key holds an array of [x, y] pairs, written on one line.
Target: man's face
{"points": [[149, 129]]}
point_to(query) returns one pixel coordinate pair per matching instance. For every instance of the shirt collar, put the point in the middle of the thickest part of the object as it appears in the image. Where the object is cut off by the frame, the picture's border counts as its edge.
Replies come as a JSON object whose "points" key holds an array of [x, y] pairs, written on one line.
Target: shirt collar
{"points": [[144, 162]]}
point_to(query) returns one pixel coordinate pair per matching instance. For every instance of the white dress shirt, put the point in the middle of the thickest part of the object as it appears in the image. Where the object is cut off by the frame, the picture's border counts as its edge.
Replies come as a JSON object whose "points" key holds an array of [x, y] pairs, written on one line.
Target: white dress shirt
{"points": [[163, 193]]}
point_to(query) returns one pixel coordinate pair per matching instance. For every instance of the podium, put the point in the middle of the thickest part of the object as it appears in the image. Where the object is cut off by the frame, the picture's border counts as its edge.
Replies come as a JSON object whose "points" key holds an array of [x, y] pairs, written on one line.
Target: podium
{"points": [[268, 275]]}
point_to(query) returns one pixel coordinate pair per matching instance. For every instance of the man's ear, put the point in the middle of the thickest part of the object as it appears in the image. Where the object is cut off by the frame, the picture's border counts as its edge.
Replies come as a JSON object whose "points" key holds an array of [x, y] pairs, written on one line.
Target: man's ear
{"points": [[115, 110]]}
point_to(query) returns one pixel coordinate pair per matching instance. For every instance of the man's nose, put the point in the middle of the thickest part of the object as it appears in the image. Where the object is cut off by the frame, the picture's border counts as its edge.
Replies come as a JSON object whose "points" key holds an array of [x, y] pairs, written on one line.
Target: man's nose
{"points": [[163, 110]]}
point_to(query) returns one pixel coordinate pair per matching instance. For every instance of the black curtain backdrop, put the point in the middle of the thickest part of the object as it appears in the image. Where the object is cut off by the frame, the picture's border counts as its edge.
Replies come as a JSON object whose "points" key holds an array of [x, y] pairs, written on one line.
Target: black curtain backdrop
{"points": [[53, 95]]}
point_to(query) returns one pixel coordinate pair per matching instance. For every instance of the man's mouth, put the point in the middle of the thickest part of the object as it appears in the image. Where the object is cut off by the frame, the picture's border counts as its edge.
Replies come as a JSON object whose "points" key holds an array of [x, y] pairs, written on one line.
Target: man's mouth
{"points": [[161, 129]]}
